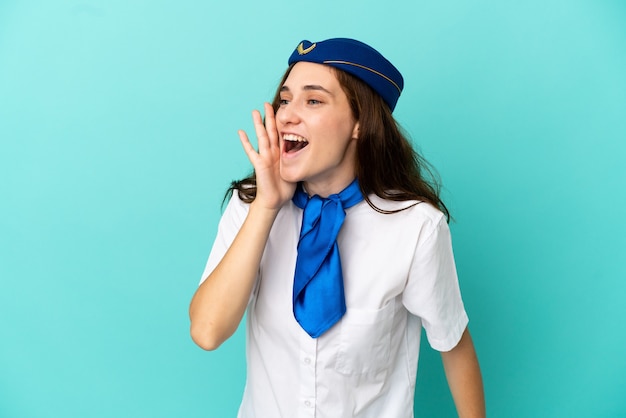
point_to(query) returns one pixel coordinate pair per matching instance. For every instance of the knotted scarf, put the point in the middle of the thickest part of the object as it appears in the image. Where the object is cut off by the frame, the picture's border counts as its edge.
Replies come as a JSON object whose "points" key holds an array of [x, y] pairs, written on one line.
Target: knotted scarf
{"points": [[318, 293]]}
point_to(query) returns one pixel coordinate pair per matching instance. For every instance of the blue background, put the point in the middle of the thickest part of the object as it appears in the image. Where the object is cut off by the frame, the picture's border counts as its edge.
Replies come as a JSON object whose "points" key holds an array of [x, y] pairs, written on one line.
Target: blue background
{"points": [[118, 125]]}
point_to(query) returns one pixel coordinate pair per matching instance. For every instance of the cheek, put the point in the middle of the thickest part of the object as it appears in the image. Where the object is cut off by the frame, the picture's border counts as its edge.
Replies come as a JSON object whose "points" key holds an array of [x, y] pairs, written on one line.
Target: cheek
{"points": [[345, 131], [279, 125], [337, 127]]}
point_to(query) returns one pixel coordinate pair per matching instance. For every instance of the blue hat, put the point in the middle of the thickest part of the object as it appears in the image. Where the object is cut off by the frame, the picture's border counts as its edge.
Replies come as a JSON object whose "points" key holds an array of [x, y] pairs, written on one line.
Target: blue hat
{"points": [[358, 59]]}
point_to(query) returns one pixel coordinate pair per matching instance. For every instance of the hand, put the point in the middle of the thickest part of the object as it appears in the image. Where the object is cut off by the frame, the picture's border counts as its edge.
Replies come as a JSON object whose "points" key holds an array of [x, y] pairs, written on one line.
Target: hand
{"points": [[272, 190]]}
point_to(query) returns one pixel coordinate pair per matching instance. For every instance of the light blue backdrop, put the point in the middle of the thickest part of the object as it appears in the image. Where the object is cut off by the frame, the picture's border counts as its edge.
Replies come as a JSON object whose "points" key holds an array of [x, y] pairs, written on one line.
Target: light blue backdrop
{"points": [[118, 137]]}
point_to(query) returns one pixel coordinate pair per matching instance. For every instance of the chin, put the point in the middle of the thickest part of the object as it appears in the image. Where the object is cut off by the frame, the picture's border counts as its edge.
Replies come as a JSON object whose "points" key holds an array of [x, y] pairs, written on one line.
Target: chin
{"points": [[290, 176]]}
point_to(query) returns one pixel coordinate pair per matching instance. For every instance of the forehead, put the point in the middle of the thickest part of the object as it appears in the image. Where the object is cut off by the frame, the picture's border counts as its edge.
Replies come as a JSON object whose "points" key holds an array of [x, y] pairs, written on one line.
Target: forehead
{"points": [[309, 73]]}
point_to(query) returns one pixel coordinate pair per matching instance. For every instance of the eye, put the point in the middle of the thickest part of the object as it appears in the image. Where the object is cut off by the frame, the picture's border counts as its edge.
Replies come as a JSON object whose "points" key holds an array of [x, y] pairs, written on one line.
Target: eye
{"points": [[283, 102], [314, 102]]}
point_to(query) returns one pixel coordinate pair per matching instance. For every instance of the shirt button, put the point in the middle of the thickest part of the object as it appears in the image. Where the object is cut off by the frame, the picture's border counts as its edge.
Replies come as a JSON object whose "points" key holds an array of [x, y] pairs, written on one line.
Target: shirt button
{"points": [[307, 360], [307, 403]]}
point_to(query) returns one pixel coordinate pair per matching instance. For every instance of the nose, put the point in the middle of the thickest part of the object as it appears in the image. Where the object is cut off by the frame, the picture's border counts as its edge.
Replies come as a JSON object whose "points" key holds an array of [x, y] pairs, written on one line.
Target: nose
{"points": [[288, 113]]}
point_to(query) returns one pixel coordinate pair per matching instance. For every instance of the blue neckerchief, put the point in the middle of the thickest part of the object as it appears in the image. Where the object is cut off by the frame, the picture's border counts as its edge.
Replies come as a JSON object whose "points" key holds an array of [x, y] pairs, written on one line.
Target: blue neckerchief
{"points": [[318, 295]]}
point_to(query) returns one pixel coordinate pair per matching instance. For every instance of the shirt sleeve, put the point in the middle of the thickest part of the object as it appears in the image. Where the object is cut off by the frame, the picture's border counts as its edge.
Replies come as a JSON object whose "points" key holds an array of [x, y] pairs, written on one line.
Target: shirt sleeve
{"points": [[230, 223], [432, 292]]}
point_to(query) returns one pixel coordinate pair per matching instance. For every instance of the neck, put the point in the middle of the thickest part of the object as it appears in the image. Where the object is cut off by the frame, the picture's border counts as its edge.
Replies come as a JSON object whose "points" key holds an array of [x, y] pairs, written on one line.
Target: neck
{"points": [[326, 189]]}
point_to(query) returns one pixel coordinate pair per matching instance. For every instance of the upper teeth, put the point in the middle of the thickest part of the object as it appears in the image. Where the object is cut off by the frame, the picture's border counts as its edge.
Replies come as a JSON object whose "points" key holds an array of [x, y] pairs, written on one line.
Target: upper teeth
{"points": [[292, 137]]}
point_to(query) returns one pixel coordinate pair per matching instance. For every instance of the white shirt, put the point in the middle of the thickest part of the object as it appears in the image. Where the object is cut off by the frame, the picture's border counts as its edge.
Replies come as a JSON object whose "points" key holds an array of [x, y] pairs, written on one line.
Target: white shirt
{"points": [[399, 275]]}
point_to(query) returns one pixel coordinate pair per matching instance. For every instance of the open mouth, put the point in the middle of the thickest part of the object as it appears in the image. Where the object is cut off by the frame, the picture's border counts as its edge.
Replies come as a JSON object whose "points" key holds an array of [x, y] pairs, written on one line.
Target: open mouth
{"points": [[293, 143]]}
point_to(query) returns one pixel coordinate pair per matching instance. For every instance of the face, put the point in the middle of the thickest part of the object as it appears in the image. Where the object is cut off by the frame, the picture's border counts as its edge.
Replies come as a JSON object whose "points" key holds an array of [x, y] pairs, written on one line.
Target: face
{"points": [[317, 130]]}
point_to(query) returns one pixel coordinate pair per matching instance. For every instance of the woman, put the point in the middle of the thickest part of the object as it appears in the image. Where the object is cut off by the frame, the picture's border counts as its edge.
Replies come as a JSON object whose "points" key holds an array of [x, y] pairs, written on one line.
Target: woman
{"points": [[338, 249]]}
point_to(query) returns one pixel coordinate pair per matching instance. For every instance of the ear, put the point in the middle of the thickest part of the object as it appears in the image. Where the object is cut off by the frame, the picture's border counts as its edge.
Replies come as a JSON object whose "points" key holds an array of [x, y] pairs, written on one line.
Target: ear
{"points": [[355, 131]]}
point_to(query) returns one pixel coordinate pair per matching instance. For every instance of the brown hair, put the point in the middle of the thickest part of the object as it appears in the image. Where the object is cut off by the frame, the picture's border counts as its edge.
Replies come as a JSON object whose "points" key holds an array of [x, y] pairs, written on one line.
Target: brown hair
{"points": [[387, 165]]}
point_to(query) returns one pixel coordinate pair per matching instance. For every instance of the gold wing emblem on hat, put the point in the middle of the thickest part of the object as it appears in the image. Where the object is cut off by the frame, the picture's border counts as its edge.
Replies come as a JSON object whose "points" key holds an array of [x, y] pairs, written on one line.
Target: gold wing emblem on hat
{"points": [[302, 50]]}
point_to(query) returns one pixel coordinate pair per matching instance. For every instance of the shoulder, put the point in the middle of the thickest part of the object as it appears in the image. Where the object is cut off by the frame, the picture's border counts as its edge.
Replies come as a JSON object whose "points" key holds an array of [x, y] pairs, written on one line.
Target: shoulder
{"points": [[236, 210], [407, 222], [407, 210], [236, 204]]}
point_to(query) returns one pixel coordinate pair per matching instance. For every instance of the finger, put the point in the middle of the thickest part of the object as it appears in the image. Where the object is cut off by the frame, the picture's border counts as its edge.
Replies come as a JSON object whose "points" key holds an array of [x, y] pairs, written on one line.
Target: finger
{"points": [[261, 132], [247, 146], [270, 126]]}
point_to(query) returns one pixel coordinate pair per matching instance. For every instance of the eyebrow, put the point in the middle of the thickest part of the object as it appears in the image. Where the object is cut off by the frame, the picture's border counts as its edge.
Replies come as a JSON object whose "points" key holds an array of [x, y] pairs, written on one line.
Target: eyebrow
{"points": [[314, 87]]}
